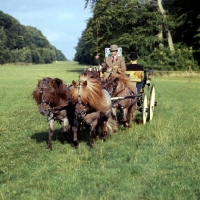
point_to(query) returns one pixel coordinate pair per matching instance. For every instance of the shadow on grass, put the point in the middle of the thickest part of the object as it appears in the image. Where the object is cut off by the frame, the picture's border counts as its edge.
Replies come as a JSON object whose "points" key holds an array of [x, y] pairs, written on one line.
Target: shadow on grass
{"points": [[138, 117], [83, 136]]}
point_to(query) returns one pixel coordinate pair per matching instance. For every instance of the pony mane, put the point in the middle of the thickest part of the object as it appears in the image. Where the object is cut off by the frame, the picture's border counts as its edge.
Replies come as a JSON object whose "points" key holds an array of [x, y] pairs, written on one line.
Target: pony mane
{"points": [[60, 90], [54, 90], [118, 72], [90, 91]]}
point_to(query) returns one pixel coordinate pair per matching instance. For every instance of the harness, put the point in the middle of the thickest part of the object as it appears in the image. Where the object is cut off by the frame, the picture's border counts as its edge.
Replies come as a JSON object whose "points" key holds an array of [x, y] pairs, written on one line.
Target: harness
{"points": [[81, 115], [53, 111]]}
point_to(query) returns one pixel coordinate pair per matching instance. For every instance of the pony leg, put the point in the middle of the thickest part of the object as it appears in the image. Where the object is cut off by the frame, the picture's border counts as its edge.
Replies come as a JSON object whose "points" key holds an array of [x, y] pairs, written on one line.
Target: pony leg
{"points": [[105, 130], [129, 117], [132, 114], [75, 128], [49, 145], [124, 120], [93, 133], [114, 112], [65, 128], [97, 132]]}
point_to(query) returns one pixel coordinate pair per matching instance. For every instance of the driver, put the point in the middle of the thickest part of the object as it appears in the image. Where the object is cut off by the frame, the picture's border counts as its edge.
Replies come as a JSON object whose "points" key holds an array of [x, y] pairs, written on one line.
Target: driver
{"points": [[114, 59]]}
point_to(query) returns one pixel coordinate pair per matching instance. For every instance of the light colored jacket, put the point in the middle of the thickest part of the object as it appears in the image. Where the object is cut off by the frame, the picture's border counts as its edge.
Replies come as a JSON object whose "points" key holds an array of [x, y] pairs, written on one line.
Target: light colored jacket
{"points": [[119, 61]]}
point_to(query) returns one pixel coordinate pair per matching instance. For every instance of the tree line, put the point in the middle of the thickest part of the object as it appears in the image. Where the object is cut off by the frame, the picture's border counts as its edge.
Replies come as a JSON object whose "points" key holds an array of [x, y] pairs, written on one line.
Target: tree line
{"points": [[164, 33], [19, 43]]}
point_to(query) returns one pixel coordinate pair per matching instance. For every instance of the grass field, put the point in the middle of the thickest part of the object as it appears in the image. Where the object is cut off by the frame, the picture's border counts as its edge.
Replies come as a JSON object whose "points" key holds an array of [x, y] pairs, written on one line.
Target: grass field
{"points": [[159, 160]]}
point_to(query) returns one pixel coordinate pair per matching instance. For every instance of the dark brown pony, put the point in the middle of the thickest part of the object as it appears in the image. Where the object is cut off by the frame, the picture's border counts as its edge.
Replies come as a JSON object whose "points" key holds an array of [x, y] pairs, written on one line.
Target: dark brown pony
{"points": [[118, 85], [93, 107], [54, 101]]}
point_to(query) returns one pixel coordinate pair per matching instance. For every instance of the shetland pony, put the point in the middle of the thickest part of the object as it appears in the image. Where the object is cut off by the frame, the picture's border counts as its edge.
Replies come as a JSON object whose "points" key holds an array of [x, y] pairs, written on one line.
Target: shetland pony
{"points": [[93, 107], [118, 85], [53, 99]]}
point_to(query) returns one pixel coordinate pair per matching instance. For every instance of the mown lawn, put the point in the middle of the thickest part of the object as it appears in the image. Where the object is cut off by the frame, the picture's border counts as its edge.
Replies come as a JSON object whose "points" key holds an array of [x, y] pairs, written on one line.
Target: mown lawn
{"points": [[159, 160]]}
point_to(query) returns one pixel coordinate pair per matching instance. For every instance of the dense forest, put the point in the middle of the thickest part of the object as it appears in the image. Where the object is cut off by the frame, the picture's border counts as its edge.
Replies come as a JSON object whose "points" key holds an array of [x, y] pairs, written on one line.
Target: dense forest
{"points": [[27, 44], [164, 33]]}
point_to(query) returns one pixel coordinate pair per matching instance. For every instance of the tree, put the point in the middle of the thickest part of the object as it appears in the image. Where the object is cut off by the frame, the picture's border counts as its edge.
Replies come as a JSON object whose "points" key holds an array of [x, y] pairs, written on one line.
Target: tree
{"points": [[139, 24], [20, 43], [187, 18], [165, 26]]}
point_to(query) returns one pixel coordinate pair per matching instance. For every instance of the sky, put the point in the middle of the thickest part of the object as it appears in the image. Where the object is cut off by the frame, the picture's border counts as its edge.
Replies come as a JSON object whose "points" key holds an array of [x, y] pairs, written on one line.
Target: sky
{"points": [[61, 22]]}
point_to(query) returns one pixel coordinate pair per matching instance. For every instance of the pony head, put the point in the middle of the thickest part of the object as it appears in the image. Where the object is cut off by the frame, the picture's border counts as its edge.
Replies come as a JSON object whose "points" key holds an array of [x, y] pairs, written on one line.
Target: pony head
{"points": [[90, 91], [116, 75], [50, 93]]}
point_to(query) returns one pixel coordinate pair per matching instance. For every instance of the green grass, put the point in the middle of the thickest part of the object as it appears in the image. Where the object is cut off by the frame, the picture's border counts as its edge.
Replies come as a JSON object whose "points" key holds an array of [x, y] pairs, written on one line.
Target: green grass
{"points": [[159, 160]]}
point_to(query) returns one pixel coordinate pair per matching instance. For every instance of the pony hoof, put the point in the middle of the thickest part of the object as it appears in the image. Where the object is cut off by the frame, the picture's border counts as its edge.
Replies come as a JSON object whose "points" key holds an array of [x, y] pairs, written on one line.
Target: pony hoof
{"points": [[115, 131], [126, 124], [104, 138], [48, 149], [76, 145], [97, 138]]}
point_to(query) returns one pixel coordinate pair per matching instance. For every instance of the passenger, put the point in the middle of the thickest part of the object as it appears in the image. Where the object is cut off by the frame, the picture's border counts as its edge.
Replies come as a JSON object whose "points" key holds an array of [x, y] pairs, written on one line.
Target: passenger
{"points": [[113, 60], [134, 66]]}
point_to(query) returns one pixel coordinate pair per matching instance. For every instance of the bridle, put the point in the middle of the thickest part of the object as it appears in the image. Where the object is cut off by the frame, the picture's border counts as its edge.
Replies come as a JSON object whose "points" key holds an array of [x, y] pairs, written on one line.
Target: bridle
{"points": [[81, 114], [43, 100], [53, 111], [111, 87]]}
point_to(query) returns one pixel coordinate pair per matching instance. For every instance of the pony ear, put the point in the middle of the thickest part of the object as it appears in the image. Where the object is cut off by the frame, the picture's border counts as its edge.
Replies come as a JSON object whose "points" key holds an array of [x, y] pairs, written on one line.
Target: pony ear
{"points": [[51, 83], [39, 81], [57, 81], [74, 83], [84, 84]]}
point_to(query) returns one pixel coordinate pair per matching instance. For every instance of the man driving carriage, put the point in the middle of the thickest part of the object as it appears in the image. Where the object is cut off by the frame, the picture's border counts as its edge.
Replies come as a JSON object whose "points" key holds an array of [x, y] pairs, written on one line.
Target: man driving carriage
{"points": [[113, 59]]}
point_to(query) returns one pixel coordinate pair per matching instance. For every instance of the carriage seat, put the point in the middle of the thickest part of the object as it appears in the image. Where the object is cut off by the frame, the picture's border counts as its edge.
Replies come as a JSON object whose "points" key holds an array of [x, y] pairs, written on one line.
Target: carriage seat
{"points": [[137, 78]]}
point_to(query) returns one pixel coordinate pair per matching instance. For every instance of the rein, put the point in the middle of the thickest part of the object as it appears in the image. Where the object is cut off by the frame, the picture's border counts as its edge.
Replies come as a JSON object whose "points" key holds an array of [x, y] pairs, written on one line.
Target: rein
{"points": [[114, 88], [119, 91]]}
